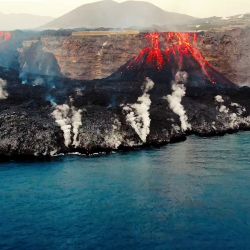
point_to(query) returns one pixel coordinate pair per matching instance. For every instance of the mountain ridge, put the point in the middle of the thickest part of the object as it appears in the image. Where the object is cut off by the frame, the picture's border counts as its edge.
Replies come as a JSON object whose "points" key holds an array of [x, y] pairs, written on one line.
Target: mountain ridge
{"points": [[15, 21], [111, 14]]}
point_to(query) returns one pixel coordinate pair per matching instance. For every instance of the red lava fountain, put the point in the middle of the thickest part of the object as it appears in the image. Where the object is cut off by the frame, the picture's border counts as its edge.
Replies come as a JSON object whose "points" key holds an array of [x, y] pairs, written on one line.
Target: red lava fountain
{"points": [[178, 46], [153, 54], [5, 36]]}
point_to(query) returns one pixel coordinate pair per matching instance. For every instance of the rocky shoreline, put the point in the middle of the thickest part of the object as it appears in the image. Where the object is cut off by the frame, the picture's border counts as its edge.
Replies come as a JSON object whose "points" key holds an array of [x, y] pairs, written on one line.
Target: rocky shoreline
{"points": [[30, 131], [97, 152]]}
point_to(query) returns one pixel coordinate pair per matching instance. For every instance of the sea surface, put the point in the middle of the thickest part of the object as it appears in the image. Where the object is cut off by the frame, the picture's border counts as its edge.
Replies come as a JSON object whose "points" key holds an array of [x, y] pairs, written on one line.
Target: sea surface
{"points": [[190, 195]]}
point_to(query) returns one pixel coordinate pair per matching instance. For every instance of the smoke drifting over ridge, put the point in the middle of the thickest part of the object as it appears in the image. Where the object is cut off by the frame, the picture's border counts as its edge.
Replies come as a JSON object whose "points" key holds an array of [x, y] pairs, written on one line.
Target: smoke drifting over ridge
{"points": [[76, 124]]}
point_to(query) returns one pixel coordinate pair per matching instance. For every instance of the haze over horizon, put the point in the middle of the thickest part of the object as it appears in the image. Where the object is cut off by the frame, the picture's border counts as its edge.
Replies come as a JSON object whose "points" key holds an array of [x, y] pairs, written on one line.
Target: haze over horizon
{"points": [[196, 8]]}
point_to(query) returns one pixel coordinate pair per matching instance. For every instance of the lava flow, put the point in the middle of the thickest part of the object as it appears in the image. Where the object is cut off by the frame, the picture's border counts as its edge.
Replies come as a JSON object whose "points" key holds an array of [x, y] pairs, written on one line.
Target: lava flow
{"points": [[5, 36], [183, 45], [178, 47], [153, 54]]}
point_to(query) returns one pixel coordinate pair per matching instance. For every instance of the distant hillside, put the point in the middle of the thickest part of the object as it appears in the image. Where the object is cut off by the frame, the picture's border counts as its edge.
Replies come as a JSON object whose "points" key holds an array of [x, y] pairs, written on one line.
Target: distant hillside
{"points": [[22, 21], [237, 21], [211, 23], [110, 14]]}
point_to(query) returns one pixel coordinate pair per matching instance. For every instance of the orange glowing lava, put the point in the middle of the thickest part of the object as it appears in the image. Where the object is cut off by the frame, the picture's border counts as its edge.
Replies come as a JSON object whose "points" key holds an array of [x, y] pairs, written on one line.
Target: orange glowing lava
{"points": [[153, 54], [177, 46], [5, 36], [183, 45]]}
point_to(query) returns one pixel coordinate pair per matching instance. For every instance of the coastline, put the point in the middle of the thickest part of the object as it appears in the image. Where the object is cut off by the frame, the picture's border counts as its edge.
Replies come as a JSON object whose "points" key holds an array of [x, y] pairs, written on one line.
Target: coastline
{"points": [[99, 152]]}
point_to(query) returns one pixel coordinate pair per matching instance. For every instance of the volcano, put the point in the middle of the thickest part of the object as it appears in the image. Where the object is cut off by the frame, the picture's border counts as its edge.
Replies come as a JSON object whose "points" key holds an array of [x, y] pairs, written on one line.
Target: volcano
{"points": [[162, 94], [168, 53]]}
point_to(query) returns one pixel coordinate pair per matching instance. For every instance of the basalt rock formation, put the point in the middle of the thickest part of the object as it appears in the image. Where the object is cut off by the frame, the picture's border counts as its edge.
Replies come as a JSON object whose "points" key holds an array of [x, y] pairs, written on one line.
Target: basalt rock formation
{"points": [[161, 92]]}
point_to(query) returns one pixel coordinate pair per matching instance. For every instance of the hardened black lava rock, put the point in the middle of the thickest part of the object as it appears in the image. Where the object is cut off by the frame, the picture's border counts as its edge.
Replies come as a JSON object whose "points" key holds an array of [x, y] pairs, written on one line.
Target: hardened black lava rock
{"points": [[116, 113]]}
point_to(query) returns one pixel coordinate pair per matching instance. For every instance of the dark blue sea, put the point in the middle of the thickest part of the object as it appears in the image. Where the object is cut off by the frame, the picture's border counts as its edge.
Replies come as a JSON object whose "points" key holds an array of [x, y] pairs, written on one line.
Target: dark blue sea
{"points": [[190, 195]]}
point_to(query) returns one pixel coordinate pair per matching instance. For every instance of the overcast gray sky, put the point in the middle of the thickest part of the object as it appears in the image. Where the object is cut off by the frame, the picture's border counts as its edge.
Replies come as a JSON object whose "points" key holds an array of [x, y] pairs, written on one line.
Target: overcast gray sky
{"points": [[198, 8]]}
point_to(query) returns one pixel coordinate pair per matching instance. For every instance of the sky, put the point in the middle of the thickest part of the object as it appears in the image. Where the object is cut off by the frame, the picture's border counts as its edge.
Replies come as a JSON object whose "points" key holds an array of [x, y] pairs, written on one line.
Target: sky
{"points": [[197, 8]]}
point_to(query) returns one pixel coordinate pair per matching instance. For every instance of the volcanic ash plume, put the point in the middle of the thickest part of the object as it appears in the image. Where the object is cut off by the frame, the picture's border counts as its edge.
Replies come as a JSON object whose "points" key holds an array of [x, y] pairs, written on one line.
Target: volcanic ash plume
{"points": [[137, 115], [179, 91], [3, 92], [70, 120]]}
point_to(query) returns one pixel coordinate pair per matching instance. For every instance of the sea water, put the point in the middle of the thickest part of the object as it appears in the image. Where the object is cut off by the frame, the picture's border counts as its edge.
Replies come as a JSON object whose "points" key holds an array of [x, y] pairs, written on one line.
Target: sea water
{"points": [[190, 195]]}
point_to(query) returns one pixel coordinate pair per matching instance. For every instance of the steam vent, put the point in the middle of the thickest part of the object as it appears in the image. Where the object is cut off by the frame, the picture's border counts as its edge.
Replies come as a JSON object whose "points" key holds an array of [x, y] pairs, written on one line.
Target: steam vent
{"points": [[94, 92]]}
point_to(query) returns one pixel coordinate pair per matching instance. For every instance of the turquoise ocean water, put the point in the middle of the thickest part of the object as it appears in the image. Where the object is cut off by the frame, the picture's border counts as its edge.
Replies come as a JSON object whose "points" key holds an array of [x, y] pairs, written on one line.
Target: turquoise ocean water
{"points": [[190, 195]]}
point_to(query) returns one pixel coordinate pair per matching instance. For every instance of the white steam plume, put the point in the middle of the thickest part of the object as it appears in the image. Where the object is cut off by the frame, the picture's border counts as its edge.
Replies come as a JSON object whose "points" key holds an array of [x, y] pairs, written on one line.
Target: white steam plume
{"points": [[222, 108], [137, 115], [76, 123], [3, 92], [174, 100], [61, 114], [219, 99], [114, 139], [70, 120], [234, 118]]}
